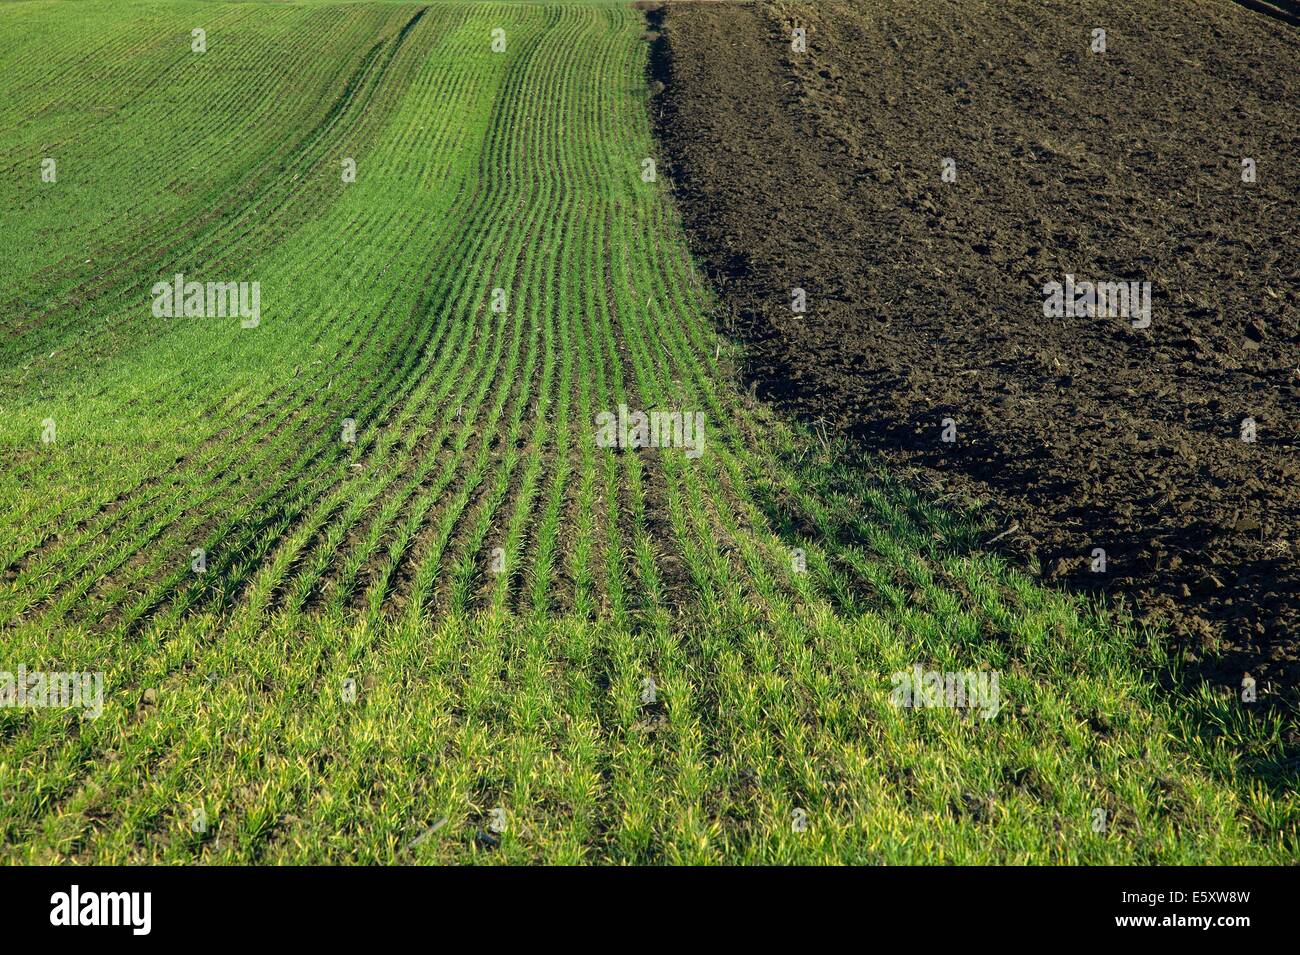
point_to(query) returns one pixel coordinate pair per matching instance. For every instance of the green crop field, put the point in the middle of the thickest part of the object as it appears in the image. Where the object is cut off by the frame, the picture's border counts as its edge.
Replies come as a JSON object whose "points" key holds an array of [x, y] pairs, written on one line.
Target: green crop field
{"points": [[363, 584]]}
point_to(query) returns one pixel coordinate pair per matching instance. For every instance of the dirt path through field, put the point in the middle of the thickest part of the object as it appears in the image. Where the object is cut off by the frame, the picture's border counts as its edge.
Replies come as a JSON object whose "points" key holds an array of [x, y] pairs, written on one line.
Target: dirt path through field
{"points": [[823, 171]]}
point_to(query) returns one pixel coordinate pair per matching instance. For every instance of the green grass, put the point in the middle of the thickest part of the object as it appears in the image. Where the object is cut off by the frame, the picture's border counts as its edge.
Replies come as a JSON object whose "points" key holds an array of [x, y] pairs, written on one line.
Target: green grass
{"points": [[373, 561]]}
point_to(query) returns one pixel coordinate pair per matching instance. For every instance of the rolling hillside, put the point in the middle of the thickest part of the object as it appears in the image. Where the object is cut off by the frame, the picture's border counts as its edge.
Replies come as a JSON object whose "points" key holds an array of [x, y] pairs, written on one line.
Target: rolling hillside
{"points": [[364, 581]]}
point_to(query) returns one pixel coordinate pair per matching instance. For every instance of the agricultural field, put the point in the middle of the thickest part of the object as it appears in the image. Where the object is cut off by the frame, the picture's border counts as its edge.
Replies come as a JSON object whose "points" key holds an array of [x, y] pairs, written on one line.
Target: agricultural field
{"points": [[929, 174], [358, 537]]}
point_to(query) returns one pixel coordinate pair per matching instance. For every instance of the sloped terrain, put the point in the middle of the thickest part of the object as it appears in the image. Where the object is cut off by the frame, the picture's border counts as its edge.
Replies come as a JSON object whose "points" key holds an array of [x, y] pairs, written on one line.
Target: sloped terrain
{"points": [[361, 579]]}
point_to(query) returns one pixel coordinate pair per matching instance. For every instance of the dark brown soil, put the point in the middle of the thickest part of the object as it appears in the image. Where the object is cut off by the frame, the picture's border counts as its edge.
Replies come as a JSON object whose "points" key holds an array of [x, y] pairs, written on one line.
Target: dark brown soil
{"points": [[822, 171]]}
